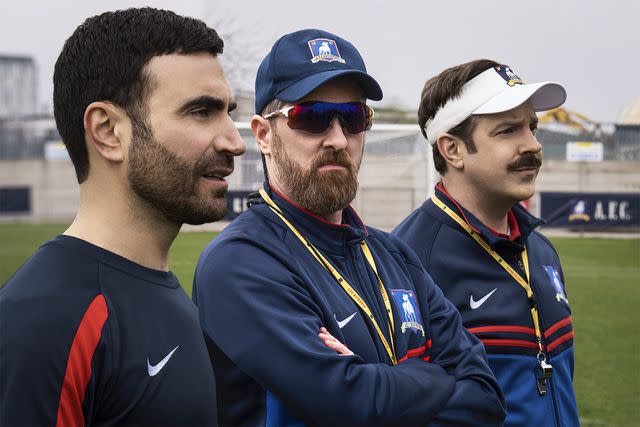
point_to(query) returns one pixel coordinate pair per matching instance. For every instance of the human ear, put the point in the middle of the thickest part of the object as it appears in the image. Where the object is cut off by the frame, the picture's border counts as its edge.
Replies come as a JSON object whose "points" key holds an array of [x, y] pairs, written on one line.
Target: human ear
{"points": [[451, 150], [262, 131], [104, 129]]}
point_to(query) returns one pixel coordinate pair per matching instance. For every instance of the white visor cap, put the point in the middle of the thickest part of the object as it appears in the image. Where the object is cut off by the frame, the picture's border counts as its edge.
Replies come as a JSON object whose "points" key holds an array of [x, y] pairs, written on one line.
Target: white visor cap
{"points": [[493, 91]]}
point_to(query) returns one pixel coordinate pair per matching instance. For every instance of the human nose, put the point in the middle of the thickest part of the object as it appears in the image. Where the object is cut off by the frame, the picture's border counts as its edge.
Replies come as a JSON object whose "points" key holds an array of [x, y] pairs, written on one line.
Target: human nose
{"points": [[531, 144], [231, 142], [335, 136]]}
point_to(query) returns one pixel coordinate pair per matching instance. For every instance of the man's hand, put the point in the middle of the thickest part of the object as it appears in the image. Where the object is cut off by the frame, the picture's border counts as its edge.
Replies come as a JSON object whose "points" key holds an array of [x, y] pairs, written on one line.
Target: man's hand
{"points": [[333, 343]]}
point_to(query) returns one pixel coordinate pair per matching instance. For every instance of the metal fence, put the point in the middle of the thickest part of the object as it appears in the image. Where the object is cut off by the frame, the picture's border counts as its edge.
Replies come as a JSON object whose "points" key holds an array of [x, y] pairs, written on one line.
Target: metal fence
{"points": [[26, 138], [396, 175]]}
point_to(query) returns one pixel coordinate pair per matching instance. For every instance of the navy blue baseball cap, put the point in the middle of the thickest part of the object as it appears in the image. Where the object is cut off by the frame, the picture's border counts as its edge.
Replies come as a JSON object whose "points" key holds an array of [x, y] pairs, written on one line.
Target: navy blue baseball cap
{"points": [[300, 62]]}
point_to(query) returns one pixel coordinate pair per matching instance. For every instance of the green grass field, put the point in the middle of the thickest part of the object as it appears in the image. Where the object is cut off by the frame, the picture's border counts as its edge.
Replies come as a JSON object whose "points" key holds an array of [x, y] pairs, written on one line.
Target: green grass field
{"points": [[603, 286]]}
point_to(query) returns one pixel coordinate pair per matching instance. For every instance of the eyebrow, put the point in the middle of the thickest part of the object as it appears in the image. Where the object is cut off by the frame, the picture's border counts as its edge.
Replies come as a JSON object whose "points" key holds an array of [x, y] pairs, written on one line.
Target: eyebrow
{"points": [[210, 102], [509, 123]]}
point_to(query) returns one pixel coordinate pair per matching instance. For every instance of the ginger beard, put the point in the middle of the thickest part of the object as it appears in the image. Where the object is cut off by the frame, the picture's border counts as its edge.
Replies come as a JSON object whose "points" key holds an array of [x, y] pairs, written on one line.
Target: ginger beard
{"points": [[169, 184], [320, 192]]}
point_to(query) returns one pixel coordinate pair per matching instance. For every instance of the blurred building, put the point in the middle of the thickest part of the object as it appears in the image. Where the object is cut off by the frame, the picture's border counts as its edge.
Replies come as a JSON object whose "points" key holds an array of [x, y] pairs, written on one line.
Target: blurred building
{"points": [[245, 101], [631, 114], [620, 140], [627, 132], [18, 86], [23, 138]]}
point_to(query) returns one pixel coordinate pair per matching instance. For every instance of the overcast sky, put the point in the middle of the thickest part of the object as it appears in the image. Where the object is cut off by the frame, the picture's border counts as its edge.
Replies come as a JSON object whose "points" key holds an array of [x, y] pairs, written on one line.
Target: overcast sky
{"points": [[589, 46]]}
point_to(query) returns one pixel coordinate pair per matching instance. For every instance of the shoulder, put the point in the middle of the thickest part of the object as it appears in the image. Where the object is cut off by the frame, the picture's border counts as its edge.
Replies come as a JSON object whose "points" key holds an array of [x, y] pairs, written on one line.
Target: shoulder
{"points": [[252, 251], [421, 229], [425, 220], [253, 231], [56, 297], [537, 241], [417, 220], [69, 281], [396, 247], [53, 269]]}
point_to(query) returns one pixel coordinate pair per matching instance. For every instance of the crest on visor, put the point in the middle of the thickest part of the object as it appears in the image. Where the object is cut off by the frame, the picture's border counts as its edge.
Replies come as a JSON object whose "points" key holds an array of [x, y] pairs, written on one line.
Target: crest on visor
{"points": [[324, 50], [508, 75]]}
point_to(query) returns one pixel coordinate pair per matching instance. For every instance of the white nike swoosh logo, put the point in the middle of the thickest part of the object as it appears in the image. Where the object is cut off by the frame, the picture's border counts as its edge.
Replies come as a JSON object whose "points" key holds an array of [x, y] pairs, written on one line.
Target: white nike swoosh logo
{"points": [[153, 370], [475, 304], [344, 322]]}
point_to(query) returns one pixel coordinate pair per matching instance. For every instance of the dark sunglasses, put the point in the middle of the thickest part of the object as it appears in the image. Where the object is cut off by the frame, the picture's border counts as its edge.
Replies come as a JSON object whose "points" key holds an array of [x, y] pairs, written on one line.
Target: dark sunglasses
{"points": [[316, 116]]}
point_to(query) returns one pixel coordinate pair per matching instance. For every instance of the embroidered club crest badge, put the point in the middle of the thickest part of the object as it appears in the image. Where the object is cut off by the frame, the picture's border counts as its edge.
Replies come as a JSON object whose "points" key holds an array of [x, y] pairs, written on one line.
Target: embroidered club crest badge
{"points": [[554, 277], [324, 50], [508, 75], [409, 311]]}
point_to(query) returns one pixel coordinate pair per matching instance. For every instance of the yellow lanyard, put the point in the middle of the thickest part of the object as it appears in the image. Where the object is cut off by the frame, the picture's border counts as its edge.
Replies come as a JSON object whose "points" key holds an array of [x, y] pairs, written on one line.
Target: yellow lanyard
{"points": [[503, 263], [343, 282]]}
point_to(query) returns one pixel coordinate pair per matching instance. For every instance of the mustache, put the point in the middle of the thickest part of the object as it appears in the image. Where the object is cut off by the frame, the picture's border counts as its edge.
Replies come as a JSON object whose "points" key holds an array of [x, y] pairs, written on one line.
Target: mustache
{"points": [[525, 162], [213, 161], [332, 157]]}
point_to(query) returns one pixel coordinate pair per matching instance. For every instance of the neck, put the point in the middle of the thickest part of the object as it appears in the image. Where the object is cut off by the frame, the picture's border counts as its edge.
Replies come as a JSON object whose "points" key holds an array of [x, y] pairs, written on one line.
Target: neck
{"points": [[123, 226], [492, 212], [334, 218]]}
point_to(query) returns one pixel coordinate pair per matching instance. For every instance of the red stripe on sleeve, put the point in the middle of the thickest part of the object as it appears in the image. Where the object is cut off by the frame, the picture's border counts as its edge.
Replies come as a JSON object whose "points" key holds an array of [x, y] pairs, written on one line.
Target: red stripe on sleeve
{"points": [[416, 351], [557, 342], [509, 343], [564, 322], [78, 370]]}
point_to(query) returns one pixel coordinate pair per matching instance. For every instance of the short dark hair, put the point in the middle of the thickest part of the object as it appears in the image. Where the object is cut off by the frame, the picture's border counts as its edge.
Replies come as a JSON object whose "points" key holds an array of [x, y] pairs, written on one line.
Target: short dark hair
{"points": [[440, 89], [105, 59]]}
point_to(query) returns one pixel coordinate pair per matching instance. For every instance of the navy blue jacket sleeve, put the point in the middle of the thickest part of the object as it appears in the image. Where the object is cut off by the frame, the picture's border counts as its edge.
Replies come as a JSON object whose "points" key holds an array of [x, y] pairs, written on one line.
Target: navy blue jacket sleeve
{"points": [[477, 399], [266, 322]]}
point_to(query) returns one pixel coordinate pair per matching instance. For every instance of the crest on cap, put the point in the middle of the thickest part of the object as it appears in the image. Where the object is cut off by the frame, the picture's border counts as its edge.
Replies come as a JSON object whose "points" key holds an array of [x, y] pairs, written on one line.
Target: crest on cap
{"points": [[508, 75], [324, 50]]}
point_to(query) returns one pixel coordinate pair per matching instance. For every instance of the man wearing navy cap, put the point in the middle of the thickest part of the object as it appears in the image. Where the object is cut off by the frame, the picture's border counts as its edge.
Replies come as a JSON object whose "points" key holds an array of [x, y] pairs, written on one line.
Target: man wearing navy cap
{"points": [[481, 246], [309, 316]]}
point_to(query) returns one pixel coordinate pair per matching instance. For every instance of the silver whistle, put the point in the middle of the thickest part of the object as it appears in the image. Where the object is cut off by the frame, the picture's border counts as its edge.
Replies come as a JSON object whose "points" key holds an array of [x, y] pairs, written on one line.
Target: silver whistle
{"points": [[547, 372]]}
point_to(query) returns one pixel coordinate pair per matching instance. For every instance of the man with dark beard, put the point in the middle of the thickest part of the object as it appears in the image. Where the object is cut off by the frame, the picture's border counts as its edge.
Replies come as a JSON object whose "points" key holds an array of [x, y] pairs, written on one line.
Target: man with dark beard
{"points": [[481, 246], [95, 329], [309, 316]]}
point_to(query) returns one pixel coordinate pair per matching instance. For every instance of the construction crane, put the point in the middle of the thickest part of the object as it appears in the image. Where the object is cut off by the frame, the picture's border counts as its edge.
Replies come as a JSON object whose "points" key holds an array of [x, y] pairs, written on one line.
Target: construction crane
{"points": [[579, 122]]}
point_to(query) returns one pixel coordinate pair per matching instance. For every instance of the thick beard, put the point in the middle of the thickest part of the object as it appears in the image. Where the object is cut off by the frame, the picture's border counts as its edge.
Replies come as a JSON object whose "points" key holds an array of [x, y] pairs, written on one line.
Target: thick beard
{"points": [[168, 184], [320, 192]]}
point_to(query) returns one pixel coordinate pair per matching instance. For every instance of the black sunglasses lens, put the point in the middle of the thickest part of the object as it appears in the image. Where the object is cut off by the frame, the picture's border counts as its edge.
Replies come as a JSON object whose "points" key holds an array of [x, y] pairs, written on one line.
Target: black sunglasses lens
{"points": [[355, 117], [315, 117], [310, 117]]}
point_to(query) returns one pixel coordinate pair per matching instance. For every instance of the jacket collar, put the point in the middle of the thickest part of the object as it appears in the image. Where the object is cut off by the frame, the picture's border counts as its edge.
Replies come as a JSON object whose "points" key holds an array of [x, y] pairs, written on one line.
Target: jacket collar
{"points": [[326, 236], [526, 222]]}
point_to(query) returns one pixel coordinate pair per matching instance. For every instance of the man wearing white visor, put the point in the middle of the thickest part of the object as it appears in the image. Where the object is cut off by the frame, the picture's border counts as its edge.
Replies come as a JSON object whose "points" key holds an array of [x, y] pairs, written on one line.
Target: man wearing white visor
{"points": [[480, 245]]}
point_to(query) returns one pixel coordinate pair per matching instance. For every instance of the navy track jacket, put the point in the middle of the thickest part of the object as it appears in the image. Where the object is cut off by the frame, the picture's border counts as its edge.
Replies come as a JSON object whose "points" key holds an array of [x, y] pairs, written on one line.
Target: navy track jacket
{"points": [[263, 298], [495, 307], [88, 337]]}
